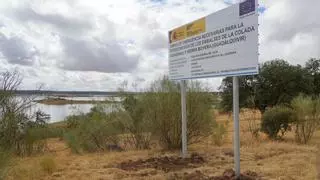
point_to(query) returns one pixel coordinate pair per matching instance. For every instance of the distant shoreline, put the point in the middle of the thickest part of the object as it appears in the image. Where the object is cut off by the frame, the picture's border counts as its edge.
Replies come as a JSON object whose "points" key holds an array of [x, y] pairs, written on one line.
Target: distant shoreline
{"points": [[62, 101], [70, 93]]}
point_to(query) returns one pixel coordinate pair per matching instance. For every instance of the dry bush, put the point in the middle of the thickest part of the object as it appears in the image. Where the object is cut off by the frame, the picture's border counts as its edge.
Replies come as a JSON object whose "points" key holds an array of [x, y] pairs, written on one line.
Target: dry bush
{"points": [[306, 117], [220, 132], [252, 120], [18, 130], [247, 140], [252, 116]]}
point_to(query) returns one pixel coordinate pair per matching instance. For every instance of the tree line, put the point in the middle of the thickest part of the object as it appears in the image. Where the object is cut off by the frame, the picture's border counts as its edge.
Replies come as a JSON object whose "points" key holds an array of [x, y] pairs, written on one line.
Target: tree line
{"points": [[278, 82]]}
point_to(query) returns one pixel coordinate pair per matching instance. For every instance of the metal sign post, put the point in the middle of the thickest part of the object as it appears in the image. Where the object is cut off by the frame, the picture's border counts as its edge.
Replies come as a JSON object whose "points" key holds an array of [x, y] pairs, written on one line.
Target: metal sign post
{"points": [[221, 44], [183, 118], [236, 141]]}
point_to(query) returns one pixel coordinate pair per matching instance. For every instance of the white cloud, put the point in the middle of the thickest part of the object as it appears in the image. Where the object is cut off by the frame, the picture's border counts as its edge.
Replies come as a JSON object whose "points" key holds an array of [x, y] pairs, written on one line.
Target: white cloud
{"points": [[290, 29], [96, 45]]}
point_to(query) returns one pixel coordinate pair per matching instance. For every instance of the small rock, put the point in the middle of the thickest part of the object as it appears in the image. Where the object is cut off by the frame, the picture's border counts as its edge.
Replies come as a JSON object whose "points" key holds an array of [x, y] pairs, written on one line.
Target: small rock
{"points": [[245, 177], [258, 157], [229, 173], [194, 154], [60, 169], [114, 147], [251, 173], [166, 158], [228, 152], [56, 174], [147, 172]]}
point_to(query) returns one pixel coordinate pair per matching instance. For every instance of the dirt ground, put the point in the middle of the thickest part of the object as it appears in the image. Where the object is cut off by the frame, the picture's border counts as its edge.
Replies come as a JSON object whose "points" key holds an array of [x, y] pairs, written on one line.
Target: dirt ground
{"points": [[164, 163], [176, 163], [260, 159]]}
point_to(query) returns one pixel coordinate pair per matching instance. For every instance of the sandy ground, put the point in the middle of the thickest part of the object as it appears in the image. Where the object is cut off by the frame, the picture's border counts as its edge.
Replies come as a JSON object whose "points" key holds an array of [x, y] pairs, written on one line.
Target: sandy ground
{"points": [[272, 160]]}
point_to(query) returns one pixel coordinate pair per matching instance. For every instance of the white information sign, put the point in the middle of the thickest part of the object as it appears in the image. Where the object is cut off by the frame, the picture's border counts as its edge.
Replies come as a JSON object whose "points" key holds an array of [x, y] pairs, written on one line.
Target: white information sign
{"points": [[224, 43]]}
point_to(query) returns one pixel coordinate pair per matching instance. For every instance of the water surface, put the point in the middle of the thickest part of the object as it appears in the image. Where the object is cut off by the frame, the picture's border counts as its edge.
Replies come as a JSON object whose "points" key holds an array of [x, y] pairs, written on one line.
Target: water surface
{"points": [[60, 112]]}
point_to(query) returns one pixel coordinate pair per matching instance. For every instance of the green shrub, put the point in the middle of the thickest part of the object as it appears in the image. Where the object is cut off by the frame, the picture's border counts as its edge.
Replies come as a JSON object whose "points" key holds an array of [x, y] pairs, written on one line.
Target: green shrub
{"points": [[307, 117], [96, 135], [162, 110], [74, 121], [131, 120], [33, 142], [22, 139], [275, 120], [155, 113], [95, 132], [4, 162], [73, 141], [55, 132], [48, 165]]}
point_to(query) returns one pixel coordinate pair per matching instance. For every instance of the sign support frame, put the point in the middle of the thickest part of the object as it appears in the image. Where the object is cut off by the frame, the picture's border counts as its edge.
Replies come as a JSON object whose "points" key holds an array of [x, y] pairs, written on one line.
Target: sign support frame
{"points": [[183, 118], [203, 35], [236, 141]]}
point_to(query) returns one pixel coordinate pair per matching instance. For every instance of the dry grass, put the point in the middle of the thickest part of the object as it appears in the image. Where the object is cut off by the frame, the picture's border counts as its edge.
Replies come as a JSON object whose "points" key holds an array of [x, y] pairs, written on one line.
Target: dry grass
{"points": [[48, 164], [274, 160]]}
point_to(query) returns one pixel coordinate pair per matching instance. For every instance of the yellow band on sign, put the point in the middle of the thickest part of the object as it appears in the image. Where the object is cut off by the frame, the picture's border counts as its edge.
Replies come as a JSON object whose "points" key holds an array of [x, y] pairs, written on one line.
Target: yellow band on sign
{"points": [[188, 30], [196, 27]]}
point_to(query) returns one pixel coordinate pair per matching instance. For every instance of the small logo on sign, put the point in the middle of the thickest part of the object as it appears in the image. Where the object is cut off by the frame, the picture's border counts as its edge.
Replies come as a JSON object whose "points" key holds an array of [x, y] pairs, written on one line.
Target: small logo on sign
{"points": [[246, 7], [173, 36], [177, 34]]}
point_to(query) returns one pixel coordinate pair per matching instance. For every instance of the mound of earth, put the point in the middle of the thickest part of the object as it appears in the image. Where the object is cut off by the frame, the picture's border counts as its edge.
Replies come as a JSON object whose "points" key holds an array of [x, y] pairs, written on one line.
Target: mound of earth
{"points": [[229, 174], [165, 163]]}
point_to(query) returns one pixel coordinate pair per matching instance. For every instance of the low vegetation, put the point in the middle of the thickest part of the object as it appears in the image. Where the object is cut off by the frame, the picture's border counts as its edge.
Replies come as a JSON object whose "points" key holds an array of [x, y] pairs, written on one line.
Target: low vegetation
{"points": [[95, 132], [162, 109], [219, 133], [306, 117], [20, 132], [276, 121], [154, 115], [48, 165], [5, 158]]}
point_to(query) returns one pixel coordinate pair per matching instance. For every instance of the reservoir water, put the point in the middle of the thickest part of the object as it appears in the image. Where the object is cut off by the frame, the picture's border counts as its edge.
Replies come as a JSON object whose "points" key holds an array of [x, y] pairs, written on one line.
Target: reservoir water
{"points": [[60, 112]]}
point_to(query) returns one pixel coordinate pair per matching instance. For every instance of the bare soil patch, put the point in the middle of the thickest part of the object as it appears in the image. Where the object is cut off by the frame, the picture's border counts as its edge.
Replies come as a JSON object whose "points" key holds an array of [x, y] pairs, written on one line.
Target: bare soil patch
{"points": [[165, 163], [228, 174]]}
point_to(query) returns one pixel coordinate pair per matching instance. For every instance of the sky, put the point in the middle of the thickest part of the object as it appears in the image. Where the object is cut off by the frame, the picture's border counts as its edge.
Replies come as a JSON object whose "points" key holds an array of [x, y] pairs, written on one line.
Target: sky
{"points": [[98, 44]]}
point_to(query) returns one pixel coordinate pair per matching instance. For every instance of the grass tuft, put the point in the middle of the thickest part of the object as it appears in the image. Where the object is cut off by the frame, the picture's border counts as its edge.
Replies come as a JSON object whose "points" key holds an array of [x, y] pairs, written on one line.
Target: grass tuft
{"points": [[48, 165]]}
